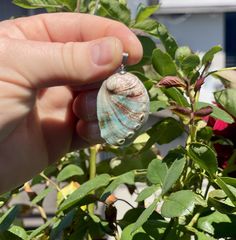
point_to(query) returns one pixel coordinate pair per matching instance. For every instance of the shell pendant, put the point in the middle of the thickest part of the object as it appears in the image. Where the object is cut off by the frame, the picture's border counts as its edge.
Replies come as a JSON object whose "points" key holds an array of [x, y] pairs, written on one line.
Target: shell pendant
{"points": [[122, 108]]}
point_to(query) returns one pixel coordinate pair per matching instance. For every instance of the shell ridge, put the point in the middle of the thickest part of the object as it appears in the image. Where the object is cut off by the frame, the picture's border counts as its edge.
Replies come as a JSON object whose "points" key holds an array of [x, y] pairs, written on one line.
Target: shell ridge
{"points": [[131, 108], [116, 131]]}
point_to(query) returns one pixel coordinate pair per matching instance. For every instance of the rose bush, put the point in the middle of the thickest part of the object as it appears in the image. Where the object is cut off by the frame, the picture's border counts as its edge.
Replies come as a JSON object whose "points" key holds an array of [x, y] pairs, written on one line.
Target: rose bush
{"points": [[192, 197]]}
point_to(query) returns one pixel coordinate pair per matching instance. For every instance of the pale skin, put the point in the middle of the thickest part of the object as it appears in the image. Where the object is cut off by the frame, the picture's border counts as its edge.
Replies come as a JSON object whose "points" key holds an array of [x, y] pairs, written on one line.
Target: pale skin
{"points": [[44, 60]]}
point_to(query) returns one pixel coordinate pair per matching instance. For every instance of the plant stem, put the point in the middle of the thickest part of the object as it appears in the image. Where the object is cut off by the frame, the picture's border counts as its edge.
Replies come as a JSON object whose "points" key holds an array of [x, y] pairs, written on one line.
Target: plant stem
{"points": [[92, 170], [53, 183], [92, 174], [193, 220]]}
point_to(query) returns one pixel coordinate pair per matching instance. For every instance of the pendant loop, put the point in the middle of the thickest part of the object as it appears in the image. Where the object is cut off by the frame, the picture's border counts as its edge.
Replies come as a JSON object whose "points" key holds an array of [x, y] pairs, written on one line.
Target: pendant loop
{"points": [[124, 62]]}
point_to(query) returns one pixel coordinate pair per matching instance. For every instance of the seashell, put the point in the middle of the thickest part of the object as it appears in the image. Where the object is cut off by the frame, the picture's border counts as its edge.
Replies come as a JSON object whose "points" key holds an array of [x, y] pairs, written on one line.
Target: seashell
{"points": [[122, 108]]}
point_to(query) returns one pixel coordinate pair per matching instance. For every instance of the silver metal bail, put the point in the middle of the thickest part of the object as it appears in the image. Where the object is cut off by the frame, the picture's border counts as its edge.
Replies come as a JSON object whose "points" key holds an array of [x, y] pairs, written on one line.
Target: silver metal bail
{"points": [[124, 62]]}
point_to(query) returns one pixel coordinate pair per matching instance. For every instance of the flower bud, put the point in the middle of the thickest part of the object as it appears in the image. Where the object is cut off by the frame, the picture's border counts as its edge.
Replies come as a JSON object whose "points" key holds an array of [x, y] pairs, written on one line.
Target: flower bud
{"points": [[204, 111], [181, 111], [171, 81], [198, 84]]}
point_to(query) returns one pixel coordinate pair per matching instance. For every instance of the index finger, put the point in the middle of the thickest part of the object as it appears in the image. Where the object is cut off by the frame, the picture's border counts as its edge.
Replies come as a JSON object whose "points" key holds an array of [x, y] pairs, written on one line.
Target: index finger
{"points": [[72, 27]]}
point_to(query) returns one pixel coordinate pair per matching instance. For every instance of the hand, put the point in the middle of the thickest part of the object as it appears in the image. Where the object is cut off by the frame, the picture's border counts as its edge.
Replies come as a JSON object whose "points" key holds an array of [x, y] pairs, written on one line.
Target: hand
{"points": [[42, 59]]}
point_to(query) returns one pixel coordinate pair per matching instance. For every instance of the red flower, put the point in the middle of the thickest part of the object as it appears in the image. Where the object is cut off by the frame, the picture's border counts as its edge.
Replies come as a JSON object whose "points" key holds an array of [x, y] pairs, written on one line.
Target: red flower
{"points": [[223, 148], [223, 129]]}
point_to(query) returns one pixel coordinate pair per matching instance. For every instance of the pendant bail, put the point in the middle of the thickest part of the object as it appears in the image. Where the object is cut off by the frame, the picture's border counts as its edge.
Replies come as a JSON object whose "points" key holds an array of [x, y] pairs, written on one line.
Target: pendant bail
{"points": [[124, 62]]}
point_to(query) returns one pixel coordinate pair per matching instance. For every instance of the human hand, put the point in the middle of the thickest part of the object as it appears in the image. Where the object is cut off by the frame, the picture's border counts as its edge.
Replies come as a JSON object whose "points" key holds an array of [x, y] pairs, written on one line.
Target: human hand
{"points": [[42, 59]]}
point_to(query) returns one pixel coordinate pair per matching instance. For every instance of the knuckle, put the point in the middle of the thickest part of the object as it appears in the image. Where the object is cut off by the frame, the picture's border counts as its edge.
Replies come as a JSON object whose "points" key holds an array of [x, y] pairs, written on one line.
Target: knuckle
{"points": [[68, 60]]}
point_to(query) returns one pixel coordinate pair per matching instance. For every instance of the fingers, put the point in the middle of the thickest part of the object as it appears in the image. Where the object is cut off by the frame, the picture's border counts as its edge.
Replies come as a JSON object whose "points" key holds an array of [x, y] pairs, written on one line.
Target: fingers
{"points": [[89, 131], [84, 108], [73, 27], [44, 64], [84, 105]]}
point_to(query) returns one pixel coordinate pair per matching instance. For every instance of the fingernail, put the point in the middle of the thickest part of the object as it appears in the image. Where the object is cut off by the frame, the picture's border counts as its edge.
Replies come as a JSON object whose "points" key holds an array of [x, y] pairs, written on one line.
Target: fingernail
{"points": [[103, 52]]}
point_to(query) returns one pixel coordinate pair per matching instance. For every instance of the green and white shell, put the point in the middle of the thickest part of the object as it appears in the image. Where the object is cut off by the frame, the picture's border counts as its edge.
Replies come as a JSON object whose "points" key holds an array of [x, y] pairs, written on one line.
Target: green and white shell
{"points": [[122, 108]]}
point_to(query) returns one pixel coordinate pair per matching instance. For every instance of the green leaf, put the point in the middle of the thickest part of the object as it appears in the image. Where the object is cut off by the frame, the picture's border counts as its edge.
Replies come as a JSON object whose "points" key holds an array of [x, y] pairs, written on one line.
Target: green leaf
{"points": [[173, 174], [91, 185], [217, 224], [157, 105], [176, 95], [200, 235], [133, 214], [217, 112], [41, 195], [229, 180], [178, 204], [227, 99], [148, 46], [129, 234], [167, 40], [126, 162], [8, 235], [19, 232], [114, 10], [126, 178], [40, 229], [163, 64], [204, 134], [149, 26], [173, 154], [229, 190], [144, 216], [70, 4], [164, 132], [190, 63], [145, 12], [157, 171], [209, 55], [151, 229], [147, 192], [221, 206], [69, 171], [62, 224], [204, 156], [182, 53], [199, 200], [33, 4], [217, 194], [8, 217]]}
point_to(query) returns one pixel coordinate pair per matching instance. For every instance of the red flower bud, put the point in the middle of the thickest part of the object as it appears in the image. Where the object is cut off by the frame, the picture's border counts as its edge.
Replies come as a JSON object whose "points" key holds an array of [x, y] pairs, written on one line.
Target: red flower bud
{"points": [[199, 84], [181, 110], [171, 81], [205, 111]]}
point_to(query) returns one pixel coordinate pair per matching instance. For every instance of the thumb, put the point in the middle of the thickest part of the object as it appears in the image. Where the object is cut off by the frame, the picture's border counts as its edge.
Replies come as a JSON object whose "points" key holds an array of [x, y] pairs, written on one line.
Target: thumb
{"points": [[46, 64]]}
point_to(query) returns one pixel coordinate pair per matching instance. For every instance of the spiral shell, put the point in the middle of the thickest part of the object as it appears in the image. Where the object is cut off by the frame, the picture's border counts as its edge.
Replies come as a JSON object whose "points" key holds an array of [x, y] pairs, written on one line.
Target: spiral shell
{"points": [[122, 108]]}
